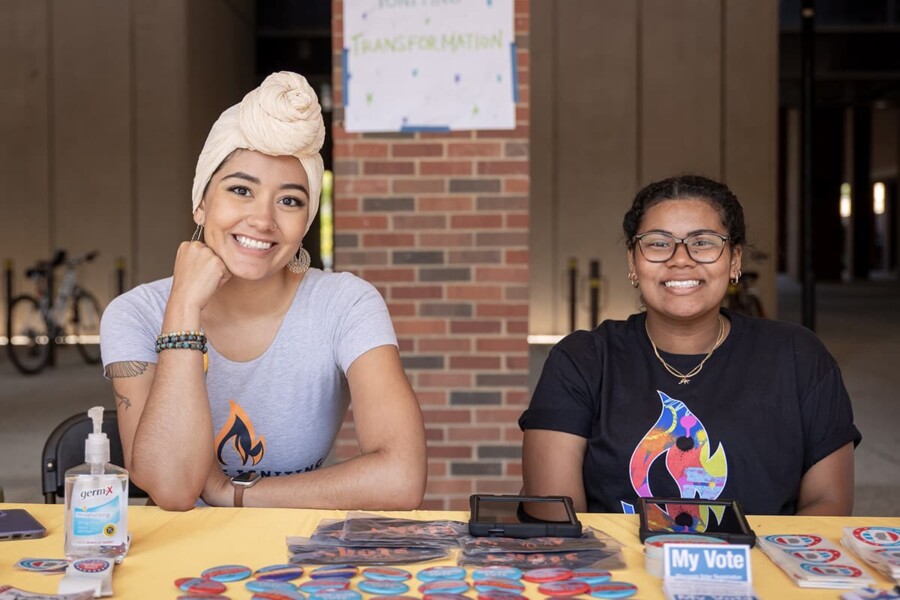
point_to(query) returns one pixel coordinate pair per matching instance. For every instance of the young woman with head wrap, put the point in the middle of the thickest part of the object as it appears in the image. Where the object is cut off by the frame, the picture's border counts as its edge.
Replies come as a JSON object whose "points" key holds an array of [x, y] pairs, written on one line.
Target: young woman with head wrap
{"points": [[274, 351], [687, 399]]}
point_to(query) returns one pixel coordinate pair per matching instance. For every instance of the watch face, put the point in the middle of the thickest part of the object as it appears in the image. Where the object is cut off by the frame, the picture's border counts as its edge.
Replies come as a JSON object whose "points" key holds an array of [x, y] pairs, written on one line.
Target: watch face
{"points": [[246, 479]]}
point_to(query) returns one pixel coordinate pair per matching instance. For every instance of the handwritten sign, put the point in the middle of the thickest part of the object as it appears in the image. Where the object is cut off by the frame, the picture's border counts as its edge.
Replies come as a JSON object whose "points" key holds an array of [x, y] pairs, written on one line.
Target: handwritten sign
{"points": [[429, 65]]}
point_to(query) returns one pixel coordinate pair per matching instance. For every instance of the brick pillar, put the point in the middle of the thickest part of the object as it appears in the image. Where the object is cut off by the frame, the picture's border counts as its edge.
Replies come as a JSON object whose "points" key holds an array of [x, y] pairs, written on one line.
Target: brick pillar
{"points": [[439, 223]]}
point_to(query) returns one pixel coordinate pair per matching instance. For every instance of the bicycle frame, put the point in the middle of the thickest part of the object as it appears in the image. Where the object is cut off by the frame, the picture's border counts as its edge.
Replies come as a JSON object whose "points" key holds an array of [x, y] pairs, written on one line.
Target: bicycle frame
{"points": [[56, 313], [51, 308]]}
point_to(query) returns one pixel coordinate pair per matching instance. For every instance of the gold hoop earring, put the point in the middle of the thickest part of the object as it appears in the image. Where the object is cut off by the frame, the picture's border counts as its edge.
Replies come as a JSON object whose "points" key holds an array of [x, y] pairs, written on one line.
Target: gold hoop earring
{"points": [[632, 277], [300, 263], [198, 233]]}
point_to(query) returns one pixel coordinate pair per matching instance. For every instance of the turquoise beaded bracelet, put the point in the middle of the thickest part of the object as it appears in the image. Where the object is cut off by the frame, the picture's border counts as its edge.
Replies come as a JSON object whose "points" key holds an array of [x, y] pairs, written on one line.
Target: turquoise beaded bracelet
{"points": [[189, 340]]}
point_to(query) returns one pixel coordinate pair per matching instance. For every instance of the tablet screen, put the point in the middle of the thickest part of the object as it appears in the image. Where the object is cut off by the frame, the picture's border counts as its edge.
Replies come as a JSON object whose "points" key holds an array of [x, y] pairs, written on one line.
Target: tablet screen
{"points": [[679, 517], [513, 510]]}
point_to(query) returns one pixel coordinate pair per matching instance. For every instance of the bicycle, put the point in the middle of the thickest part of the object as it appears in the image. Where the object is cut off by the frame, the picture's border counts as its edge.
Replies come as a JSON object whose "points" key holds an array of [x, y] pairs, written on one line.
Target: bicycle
{"points": [[37, 324]]}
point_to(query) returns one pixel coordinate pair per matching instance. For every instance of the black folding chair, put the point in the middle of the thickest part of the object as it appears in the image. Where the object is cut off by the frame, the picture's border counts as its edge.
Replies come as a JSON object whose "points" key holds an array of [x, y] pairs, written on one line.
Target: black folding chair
{"points": [[64, 449]]}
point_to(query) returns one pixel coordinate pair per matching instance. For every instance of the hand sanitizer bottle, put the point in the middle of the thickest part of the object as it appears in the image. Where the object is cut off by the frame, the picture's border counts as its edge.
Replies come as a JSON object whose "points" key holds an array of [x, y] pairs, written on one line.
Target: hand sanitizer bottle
{"points": [[96, 521]]}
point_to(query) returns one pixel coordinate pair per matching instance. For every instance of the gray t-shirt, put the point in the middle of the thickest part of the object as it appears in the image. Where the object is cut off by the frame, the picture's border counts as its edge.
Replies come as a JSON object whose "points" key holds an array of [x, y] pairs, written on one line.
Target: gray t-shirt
{"points": [[279, 413]]}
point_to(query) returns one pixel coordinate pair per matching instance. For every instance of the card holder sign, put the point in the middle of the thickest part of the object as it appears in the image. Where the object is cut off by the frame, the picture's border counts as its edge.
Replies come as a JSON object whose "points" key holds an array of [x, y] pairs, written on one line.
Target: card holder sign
{"points": [[723, 562]]}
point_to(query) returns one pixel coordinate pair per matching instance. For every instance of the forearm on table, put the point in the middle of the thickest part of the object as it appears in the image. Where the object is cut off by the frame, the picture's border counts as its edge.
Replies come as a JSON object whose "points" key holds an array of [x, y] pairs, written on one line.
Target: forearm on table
{"points": [[827, 506], [380, 480], [172, 451], [827, 487], [552, 463]]}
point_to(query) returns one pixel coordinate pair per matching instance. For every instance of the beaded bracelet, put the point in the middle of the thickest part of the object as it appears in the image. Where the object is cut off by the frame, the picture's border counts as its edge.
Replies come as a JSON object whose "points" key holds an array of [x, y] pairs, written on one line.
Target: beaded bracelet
{"points": [[189, 340]]}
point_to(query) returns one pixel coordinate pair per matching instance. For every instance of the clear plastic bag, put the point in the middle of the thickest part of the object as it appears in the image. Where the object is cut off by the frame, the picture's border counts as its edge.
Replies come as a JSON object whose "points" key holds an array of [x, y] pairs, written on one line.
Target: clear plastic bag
{"points": [[591, 539], [304, 551], [593, 549]]}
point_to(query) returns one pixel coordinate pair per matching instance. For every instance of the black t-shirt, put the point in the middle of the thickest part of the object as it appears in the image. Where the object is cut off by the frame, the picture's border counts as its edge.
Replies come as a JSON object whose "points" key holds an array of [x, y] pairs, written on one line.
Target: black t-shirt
{"points": [[768, 404]]}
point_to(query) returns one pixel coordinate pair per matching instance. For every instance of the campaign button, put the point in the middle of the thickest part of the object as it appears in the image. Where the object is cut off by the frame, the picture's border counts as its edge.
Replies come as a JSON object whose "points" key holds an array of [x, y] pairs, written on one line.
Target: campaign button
{"points": [[832, 570], [497, 572], [499, 585], [227, 573], [386, 574], [823, 555], [43, 564], [440, 596], [444, 586], [544, 575], [199, 585], [499, 596], [203, 597], [438, 573], [334, 572], [613, 589], [261, 585], [571, 587], [383, 587], [590, 575], [336, 595], [794, 541], [324, 585], [279, 572], [878, 536], [92, 565], [276, 595]]}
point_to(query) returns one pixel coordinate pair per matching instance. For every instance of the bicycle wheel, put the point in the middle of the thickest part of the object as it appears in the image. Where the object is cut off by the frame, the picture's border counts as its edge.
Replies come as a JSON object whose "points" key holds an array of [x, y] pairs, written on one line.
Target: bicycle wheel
{"points": [[29, 340], [86, 326]]}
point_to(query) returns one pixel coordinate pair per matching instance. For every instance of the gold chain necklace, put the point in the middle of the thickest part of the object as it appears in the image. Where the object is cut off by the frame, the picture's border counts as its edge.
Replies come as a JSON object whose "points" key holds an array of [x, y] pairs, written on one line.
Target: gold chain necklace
{"points": [[686, 377]]}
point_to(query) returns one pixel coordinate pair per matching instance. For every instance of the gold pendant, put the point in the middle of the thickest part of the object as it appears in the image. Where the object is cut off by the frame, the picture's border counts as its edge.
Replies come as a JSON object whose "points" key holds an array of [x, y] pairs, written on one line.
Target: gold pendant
{"points": [[684, 380]]}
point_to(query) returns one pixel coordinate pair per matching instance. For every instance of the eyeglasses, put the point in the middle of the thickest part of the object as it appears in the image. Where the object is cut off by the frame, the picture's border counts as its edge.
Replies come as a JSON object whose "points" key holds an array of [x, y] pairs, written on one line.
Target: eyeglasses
{"points": [[659, 247]]}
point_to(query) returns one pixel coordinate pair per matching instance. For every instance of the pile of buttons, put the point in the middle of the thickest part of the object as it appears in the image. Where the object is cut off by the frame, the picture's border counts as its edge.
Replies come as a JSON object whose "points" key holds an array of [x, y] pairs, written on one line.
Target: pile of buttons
{"points": [[333, 582]]}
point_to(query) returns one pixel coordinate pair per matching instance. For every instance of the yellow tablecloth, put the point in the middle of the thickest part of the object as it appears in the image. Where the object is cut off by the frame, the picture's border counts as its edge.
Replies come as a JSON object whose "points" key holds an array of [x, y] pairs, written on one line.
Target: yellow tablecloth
{"points": [[168, 545]]}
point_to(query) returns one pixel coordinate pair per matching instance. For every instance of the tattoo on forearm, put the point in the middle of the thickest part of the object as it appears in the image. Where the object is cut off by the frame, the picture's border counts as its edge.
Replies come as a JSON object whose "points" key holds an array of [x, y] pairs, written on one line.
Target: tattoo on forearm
{"points": [[130, 368], [121, 400]]}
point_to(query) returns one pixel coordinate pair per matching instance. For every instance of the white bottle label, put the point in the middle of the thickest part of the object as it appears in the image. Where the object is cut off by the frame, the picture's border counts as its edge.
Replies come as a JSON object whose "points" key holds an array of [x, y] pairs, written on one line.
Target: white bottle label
{"points": [[98, 514]]}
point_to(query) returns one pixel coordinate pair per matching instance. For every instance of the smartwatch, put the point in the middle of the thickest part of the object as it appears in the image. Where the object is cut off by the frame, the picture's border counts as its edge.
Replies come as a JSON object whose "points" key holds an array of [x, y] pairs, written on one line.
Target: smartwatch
{"points": [[242, 482]]}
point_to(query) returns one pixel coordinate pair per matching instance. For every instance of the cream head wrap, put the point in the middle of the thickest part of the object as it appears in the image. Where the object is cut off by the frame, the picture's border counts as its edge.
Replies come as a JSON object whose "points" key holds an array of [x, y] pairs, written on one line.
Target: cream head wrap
{"points": [[281, 117]]}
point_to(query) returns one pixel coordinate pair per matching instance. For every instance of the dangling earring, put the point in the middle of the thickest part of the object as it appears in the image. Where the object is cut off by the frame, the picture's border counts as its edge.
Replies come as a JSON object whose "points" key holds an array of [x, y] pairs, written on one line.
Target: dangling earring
{"points": [[736, 278], [632, 277], [198, 233], [300, 263]]}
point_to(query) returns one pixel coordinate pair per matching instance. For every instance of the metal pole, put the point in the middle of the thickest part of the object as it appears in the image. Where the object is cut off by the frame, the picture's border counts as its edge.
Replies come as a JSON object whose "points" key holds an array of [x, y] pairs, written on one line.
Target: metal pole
{"points": [[807, 59], [595, 293], [120, 276], [51, 324], [573, 284], [8, 276]]}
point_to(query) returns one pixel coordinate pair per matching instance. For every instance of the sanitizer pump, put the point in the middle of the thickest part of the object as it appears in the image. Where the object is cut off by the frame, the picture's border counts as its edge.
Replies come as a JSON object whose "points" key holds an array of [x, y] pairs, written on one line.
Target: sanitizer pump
{"points": [[96, 500]]}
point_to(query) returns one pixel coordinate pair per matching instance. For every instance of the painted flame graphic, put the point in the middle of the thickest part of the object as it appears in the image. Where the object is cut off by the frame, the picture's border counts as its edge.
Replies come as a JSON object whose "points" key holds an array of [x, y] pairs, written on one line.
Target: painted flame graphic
{"points": [[682, 438], [238, 430]]}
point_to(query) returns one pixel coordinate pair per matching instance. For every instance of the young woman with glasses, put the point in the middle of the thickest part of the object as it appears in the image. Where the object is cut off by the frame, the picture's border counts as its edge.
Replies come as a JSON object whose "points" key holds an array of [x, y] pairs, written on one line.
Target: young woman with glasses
{"points": [[687, 399]]}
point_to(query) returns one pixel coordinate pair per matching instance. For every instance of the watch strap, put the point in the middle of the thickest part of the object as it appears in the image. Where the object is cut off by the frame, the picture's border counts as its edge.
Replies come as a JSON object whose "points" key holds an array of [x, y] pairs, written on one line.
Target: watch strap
{"points": [[238, 496]]}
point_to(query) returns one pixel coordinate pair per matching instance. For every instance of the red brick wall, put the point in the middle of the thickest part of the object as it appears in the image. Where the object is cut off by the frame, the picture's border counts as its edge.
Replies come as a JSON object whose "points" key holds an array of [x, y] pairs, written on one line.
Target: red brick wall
{"points": [[439, 223]]}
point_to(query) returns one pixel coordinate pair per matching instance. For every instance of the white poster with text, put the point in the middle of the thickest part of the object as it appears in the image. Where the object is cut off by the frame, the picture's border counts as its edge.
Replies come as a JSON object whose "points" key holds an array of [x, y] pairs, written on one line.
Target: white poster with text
{"points": [[429, 65]]}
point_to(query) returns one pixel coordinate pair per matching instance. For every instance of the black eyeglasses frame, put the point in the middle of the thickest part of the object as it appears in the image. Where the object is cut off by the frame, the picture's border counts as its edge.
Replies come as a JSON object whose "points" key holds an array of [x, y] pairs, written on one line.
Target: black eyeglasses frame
{"points": [[636, 240]]}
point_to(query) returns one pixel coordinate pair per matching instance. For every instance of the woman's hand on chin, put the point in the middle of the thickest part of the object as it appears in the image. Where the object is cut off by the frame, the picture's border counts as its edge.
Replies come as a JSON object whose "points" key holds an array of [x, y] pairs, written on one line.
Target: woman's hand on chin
{"points": [[199, 273]]}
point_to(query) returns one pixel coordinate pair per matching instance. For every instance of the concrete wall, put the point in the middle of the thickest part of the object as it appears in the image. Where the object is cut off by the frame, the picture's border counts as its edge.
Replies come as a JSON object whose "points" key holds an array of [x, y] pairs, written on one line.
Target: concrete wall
{"points": [[625, 93], [104, 108]]}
